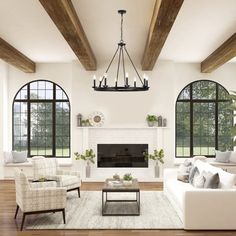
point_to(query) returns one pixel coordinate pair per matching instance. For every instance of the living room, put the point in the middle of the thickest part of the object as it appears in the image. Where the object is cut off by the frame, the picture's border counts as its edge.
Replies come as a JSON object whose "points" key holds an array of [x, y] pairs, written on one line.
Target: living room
{"points": [[59, 96]]}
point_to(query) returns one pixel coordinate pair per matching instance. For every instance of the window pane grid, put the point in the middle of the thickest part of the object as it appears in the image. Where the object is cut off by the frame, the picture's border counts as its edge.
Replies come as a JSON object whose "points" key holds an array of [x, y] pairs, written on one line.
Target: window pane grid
{"points": [[39, 95], [210, 120]]}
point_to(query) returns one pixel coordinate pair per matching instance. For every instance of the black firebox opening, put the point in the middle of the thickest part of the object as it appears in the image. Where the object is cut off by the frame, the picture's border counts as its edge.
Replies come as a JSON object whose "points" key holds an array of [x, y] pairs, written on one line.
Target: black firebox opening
{"points": [[122, 155]]}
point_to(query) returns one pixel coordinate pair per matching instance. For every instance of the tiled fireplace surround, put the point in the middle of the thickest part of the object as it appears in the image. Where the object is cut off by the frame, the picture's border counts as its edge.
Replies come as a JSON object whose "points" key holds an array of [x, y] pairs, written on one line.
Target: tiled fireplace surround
{"points": [[91, 136]]}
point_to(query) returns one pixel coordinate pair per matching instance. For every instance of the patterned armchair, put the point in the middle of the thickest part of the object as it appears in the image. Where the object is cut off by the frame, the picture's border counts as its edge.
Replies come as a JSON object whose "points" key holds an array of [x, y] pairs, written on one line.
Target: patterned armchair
{"points": [[48, 168], [34, 198]]}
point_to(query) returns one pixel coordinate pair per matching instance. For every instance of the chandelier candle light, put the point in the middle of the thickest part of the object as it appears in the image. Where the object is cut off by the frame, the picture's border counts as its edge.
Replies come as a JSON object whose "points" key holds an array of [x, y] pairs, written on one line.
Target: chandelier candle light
{"points": [[121, 51]]}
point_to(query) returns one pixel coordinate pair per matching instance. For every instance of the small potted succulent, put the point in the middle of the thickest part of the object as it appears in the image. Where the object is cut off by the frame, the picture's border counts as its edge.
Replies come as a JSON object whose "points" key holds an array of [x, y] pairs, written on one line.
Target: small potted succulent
{"points": [[151, 120], [127, 179], [88, 156]]}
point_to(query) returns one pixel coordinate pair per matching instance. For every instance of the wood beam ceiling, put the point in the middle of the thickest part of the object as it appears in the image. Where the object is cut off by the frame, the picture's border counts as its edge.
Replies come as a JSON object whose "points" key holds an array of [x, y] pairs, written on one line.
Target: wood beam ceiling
{"points": [[64, 16], [164, 15], [14, 57], [220, 56]]}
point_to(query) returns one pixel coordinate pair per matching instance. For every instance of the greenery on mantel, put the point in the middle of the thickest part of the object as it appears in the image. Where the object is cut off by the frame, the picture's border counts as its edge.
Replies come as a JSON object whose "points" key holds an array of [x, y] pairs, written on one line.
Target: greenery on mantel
{"points": [[151, 118], [156, 156], [87, 156]]}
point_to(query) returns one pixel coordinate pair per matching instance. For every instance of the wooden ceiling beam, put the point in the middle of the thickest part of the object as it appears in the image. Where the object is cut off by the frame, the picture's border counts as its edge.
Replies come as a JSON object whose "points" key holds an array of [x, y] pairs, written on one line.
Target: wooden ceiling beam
{"points": [[164, 15], [64, 16], [220, 56], [14, 57]]}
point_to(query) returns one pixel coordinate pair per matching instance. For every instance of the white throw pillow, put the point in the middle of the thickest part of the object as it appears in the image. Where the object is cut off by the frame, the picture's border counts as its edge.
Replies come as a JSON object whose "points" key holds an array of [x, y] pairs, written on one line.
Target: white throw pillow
{"points": [[198, 181], [232, 157], [8, 157], [222, 157], [19, 157], [227, 180]]}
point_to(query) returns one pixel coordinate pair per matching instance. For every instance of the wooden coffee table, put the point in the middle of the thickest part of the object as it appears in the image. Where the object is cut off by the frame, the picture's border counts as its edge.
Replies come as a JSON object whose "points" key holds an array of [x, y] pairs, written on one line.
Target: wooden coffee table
{"points": [[124, 206]]}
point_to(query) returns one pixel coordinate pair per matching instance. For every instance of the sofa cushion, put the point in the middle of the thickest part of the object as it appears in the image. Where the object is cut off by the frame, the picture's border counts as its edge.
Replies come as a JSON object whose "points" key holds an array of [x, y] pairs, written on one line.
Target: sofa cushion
{"points": [[202, 158], [227, 180], [68, 180], [222, 156], [198, 180], [183, 177], [211, 180], [177, 189], [192, 173]]}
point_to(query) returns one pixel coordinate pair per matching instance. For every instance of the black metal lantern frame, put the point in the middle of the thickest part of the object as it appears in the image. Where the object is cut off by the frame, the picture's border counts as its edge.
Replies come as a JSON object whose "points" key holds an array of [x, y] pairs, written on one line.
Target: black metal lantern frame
{"points": [[121, 51]]}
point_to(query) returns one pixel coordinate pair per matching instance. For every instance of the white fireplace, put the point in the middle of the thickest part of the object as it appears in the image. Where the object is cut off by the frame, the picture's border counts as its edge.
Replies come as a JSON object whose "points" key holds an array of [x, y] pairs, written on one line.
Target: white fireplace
{"points": [[92, 136]]}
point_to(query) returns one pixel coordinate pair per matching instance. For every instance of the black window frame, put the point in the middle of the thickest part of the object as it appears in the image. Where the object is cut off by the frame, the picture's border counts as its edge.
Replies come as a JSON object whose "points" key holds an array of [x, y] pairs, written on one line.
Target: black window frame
{"points": [[54, 100], [192, 101]]}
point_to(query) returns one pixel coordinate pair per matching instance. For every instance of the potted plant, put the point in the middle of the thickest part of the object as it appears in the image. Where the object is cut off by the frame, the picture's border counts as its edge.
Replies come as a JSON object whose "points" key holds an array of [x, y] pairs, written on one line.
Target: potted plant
{"points": [[88, 156], [151, 120], [233, 109], [157, 156], [127, 179], [116, 177]]}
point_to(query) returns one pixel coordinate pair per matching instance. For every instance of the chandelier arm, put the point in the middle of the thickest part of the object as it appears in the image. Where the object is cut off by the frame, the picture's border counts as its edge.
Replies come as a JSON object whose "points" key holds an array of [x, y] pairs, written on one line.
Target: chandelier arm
{"points": [[118, 67], [110, 62], [123, 60], [133, 66]]}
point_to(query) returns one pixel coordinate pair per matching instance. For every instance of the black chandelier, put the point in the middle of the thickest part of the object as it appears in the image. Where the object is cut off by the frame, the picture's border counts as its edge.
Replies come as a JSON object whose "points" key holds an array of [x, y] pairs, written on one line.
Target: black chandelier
{"points": [[126, 87]]}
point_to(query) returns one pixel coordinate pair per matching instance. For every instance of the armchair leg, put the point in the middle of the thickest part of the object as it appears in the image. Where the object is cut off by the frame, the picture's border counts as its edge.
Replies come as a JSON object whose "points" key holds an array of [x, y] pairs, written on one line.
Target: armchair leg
{"points": [[17, 209], [79, 192], [64, 216], [22, 223]]}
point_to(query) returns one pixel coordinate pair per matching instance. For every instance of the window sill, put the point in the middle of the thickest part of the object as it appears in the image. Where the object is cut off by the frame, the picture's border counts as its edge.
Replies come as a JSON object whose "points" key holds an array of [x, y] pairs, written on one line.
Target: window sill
{"points": [[63, 162]]}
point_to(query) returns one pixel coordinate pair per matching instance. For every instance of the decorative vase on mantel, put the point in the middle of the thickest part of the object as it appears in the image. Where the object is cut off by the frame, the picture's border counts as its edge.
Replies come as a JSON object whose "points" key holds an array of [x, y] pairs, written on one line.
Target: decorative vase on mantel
{"points": [[157, 170], [151, 123], [88, 170], [87, 156]]}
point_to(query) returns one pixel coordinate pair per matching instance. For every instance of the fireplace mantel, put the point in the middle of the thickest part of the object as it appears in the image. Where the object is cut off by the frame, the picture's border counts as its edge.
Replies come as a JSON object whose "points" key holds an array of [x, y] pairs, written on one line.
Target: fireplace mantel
{"points": [[119, 127], [91, 136]]}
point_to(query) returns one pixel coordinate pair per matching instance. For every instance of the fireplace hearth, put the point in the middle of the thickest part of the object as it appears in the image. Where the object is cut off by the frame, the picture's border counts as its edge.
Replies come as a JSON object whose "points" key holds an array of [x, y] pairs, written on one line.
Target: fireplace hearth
{"points": [[122, 155]]}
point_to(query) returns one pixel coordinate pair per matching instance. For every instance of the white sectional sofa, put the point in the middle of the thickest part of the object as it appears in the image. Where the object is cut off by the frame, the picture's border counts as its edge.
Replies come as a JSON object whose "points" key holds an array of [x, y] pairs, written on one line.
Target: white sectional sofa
{"points": [[200, 208]]}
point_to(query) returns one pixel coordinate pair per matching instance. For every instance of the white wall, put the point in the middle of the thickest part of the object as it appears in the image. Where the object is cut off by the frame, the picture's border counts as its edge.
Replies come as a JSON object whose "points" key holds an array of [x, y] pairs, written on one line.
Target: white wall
{"points": [[121, 109], [3, 112]]}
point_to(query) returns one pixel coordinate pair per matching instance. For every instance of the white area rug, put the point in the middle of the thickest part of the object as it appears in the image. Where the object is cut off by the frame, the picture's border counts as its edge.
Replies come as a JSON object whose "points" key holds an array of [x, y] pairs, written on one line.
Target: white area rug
{"points": [[85, 213]]}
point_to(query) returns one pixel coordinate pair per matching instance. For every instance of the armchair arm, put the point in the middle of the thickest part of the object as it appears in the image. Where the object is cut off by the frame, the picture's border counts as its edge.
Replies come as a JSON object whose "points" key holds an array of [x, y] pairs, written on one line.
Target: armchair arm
{"points": [[205, 209], [43, 184], [68, 172], [49, 191], [39, 199]]}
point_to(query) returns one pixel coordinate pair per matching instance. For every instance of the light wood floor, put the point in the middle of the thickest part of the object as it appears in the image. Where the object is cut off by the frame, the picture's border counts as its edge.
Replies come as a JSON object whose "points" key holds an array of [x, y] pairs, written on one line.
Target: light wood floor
{"points": [[10, 227]]}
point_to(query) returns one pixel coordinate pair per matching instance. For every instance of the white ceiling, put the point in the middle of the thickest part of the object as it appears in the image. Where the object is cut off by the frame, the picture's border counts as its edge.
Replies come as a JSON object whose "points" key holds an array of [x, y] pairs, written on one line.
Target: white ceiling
{"points": [[201, 26]]}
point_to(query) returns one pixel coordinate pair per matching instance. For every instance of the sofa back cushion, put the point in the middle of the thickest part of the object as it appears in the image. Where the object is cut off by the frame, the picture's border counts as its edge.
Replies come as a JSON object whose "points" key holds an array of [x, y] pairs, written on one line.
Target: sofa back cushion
{"points": [[227, 180]]}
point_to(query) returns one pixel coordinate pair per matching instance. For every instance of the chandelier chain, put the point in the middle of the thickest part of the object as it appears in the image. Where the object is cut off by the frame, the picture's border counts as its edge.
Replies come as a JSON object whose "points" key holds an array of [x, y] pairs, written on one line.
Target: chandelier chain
{"points": [[121, 29], [121, 52]]}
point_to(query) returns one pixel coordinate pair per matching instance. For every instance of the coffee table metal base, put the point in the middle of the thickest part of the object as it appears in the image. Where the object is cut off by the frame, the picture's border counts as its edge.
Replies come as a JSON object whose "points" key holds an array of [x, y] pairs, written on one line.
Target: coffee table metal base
{"points": [[106, 202]]}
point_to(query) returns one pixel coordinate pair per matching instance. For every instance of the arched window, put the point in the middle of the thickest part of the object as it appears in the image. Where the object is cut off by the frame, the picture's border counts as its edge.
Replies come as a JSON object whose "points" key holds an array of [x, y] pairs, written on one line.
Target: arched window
{"points": [[41, 120], [203, 120]]}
